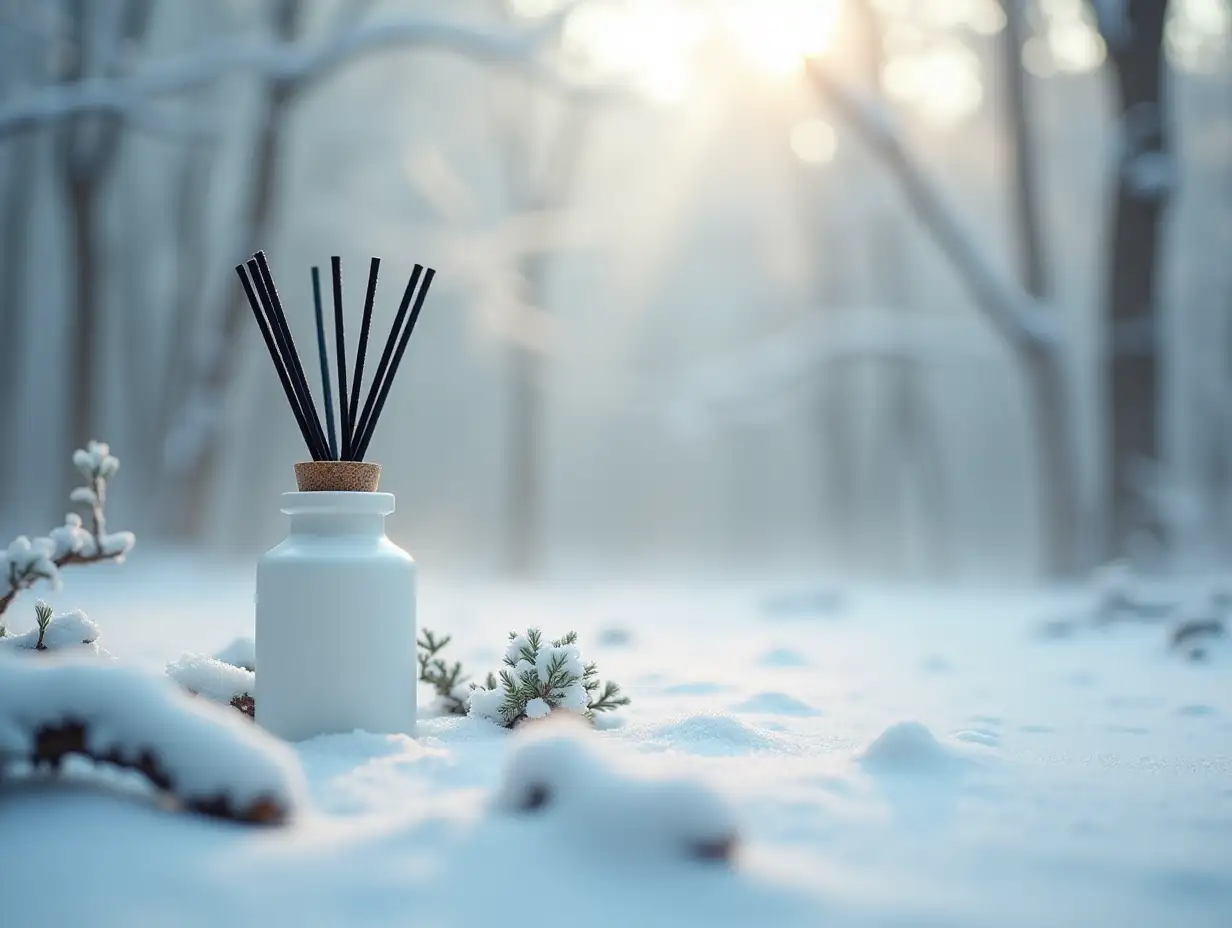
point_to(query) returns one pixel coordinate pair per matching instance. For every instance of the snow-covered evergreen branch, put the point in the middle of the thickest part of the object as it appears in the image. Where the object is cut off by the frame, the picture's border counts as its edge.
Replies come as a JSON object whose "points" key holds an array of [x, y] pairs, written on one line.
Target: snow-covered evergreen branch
{"points": [[289, 62], [449, 682], [539, 678], [1021, 319], [27, 562]]}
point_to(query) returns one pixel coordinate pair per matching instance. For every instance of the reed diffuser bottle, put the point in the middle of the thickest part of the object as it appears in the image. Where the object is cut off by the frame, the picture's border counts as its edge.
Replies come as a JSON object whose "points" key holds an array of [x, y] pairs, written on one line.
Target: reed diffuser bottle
{"points": [[335, 628]]}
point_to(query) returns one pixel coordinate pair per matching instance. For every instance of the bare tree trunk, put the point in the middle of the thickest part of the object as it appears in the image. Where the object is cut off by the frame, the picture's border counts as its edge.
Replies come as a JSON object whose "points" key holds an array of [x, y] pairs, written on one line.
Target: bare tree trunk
{"points": [[86, 148], [192, 451], [911, 446], [18, 200], [1044, 369], [1056, 461], [1030, 256], [529, 189], [1145, 177], [526, 435], [87, 291]]}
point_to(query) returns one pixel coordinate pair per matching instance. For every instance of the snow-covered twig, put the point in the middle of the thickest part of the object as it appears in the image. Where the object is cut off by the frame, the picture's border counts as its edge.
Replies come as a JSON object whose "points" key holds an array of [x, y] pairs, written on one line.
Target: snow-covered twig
{"points": [[1023, 320], [211, 762], [277, 61], [216, 680], [26, 562], [540, 678]]}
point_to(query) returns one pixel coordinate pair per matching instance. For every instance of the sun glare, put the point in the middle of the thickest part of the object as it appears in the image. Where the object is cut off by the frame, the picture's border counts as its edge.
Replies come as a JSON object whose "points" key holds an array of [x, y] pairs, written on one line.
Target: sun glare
{"points": [[814, 141], [776, 36], [653, 44], [647, 43]]}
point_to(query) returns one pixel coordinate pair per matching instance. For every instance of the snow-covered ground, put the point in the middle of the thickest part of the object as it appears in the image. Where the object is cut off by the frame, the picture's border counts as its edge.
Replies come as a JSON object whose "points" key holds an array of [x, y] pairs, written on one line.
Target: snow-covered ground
{"points": [[887, 758]]}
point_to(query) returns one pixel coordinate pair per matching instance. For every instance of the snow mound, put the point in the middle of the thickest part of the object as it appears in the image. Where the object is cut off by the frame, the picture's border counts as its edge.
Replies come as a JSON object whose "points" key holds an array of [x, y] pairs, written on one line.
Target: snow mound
{"points": [[559, 774], [712, 735], [907, 747], [242, 652], [775, 704], [211, 678], [65, 632], [208, 757], [782, 657]]}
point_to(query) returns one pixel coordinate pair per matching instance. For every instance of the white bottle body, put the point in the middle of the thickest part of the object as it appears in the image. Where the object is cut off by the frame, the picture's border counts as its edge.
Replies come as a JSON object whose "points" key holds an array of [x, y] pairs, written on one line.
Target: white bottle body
{"points": [[335, 626]]}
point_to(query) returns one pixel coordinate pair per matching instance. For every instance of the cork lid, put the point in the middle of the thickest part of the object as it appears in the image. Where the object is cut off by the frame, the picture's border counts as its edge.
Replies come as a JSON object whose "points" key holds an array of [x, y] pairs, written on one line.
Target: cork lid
{"points": [[347, 476]]}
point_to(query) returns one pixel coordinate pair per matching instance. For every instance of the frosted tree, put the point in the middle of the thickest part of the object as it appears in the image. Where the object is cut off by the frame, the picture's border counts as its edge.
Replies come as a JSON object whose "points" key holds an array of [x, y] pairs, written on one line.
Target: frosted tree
{"points": [[101, 85], [1028, 324], [1145, 174], [191, 450]]}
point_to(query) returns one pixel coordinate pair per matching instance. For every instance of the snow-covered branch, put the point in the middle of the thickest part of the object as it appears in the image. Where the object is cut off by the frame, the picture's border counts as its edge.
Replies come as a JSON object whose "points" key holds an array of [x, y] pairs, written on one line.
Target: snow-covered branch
{"points": [[26, 562], [293, 63], [762, 370], [212, 762], [1023, 320]]}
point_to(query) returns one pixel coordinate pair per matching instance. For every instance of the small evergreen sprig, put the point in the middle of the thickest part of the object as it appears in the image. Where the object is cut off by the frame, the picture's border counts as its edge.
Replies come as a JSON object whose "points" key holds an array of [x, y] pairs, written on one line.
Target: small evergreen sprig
{"points": [[42, 614], [540, 678], [448, 682]]}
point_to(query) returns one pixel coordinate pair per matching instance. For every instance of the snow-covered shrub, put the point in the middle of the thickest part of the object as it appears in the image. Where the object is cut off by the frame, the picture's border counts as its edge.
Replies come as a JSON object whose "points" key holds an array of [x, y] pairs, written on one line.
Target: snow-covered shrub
{"points": [[540, 678], [70, 631], [210, 761], [26, 562]]}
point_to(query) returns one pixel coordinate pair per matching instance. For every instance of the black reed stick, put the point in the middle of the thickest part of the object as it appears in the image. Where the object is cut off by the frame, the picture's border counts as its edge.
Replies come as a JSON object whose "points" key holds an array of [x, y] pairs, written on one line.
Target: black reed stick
{"points": [[344, 418], [391, 343], [259, 268], [393, 368], [350, 440], [373, 270], [329, 396], [270, 344]]}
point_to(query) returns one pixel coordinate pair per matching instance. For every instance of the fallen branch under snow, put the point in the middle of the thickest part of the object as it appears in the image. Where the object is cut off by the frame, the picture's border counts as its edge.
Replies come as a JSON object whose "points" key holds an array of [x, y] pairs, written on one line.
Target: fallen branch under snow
{"points": [[210, 761]]}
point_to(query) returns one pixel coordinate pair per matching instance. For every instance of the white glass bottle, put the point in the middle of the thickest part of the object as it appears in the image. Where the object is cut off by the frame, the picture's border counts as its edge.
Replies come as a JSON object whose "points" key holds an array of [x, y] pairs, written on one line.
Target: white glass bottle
{"points": [[335, 641]]}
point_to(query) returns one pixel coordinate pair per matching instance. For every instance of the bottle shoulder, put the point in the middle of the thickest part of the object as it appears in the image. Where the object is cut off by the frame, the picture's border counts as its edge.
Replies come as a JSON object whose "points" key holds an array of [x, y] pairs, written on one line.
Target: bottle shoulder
{"points": [[336, 548]]}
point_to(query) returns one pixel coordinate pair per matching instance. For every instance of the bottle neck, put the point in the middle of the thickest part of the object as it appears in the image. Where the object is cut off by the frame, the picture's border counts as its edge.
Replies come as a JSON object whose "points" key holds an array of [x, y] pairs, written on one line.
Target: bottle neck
{"points": [[337, 523], [329, 514]]}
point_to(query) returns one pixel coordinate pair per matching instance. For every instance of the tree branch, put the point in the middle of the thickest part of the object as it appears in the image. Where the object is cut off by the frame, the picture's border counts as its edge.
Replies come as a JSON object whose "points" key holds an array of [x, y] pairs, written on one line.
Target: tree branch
{"points": [[291, 62], [1022, 320]]}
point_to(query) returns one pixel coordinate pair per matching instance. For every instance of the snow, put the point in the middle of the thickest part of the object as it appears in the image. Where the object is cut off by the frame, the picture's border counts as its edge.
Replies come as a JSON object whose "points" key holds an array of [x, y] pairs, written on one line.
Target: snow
{"points": [[907, 748], [211, 678], [915, 757], [1151, 175], [71, 631], [206, 751]]}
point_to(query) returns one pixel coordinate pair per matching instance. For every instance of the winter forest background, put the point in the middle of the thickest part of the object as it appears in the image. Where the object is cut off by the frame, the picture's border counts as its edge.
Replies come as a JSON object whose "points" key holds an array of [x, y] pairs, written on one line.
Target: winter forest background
{"points": [[928, 288]]}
